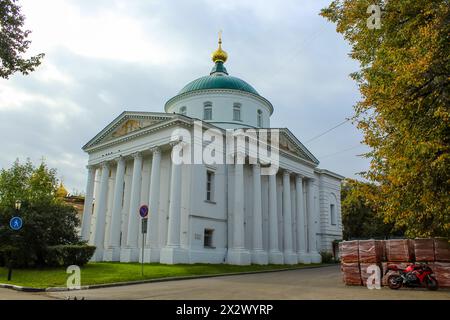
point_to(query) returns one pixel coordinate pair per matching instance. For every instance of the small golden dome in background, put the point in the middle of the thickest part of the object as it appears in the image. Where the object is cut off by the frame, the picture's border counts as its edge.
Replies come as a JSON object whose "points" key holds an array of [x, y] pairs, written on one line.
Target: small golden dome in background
{"points": [[219, 55], [61, 192]]}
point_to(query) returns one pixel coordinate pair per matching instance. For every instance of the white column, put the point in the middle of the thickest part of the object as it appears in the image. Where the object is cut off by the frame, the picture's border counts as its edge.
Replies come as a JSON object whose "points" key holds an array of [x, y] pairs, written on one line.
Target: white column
{"points": [[172, 252], [88, 201], [238, 254], [259, 256], [131, 251], [303, 257], [113, 251], [152, 254], [100, 212], [312, 217], [275, 255], [289, 256]]}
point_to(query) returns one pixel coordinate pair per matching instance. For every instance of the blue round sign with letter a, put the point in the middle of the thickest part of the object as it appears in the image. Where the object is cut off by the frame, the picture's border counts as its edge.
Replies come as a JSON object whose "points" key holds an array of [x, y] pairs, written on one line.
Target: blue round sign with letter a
{"points": [[16, 223]]}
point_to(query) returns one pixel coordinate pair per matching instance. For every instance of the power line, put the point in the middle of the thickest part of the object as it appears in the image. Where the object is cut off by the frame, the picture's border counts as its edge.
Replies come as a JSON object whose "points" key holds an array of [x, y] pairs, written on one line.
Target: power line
{"points": [[341, 151], [325, 132]]}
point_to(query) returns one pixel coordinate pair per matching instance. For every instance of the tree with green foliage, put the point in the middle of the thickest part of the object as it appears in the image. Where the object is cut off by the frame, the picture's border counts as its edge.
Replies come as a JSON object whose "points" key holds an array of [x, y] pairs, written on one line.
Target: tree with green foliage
{"points": [[404, 112], [14, 41], [47, 220], [361, 218]]}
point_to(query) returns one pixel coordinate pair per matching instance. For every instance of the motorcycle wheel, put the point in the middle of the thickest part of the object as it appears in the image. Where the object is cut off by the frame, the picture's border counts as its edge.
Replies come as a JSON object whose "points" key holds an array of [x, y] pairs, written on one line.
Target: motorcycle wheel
{"points": [[431, 283], [395, 282]]}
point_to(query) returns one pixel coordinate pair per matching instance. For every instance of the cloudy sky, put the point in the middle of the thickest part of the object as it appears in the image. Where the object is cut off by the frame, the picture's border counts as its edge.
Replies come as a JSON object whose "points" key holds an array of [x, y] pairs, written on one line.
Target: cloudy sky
{"points": [[105, 56]]}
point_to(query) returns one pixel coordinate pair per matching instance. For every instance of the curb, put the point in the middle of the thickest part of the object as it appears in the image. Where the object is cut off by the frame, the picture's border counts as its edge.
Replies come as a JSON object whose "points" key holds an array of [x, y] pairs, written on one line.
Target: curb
{"points": [[128, 283]]}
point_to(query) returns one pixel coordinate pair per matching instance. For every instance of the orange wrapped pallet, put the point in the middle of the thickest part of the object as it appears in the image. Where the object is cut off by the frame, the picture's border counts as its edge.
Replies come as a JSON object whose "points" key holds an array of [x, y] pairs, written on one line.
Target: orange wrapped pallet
{"points": [[442, 272], [350, 273], [349, 251], [401, 250], [364, 274], [424, 250], [441, 250], [370, 251]]}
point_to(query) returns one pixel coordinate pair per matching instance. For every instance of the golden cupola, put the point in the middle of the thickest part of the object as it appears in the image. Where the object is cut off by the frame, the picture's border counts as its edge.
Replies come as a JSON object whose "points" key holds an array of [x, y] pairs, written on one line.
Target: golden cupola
{"points": [[219, 55]]}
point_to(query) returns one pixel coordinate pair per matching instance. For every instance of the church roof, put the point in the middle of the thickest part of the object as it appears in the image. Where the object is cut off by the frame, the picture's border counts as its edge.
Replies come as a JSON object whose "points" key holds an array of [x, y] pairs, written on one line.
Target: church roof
{"points": [[218, 81]]}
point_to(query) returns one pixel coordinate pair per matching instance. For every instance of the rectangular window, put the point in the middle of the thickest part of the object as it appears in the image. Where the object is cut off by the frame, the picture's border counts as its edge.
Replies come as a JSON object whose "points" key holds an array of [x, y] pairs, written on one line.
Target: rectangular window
{"points": [[259, 119], [207, 111], [208, 238], [333, 214], [209, 185], [237, 112]]}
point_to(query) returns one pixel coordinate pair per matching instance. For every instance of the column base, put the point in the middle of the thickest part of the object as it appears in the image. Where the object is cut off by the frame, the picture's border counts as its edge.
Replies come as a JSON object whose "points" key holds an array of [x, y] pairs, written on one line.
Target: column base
{"points": [[290, 257], [240, 257], [303, 257], [173, 255], [315, 257], [98, 255], [111, 254], [259, 257], [129, 255], [276, 257], [152, 255]]}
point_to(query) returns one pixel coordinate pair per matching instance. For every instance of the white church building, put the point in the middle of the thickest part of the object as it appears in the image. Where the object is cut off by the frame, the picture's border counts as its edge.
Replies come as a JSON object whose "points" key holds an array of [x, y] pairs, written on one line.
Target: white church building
{"points": [[283, 211]]}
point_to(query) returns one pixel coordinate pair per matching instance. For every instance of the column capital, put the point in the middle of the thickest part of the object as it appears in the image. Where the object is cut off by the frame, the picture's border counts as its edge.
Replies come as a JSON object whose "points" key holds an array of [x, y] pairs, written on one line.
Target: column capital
{"points": [[105, 164], [287, 172], [91, 167], [155, 150], [119, 159], [256, 165], [136, 155], [299, 177]]}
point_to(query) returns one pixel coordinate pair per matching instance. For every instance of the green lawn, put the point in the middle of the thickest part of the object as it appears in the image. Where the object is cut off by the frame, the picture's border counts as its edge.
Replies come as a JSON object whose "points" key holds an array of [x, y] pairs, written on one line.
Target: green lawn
{"points": [[103, 272]]}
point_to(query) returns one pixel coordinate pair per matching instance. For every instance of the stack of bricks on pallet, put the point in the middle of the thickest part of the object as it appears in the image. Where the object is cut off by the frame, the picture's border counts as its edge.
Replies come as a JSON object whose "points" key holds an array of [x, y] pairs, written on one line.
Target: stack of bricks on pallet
{"points": [[358, 255], [350, 262]]}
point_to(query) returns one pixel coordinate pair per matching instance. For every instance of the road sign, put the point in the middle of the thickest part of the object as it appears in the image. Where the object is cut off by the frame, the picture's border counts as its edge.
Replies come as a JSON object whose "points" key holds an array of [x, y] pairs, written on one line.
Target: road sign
{"points": [[143, 211], [16, 223], [144, 226]]}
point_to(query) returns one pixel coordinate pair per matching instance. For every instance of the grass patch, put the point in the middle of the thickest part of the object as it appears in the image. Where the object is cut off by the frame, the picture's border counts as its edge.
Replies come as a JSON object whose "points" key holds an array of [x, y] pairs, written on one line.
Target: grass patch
{"points": [[110, 272]]}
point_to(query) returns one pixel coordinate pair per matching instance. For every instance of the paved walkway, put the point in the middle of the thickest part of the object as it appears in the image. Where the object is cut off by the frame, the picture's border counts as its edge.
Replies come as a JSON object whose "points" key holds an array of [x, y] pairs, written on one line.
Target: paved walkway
{"points": [[319, 283]]}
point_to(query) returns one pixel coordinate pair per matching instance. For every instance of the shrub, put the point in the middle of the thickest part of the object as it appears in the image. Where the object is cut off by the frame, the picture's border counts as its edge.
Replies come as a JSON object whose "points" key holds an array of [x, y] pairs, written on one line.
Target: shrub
{"points": [[66, 255], [327, 257]]}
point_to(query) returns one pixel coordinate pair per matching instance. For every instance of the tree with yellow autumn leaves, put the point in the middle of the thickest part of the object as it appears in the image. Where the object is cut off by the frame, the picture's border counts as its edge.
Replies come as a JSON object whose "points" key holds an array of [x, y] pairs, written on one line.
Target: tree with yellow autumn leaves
{"points": [[404, 112]]}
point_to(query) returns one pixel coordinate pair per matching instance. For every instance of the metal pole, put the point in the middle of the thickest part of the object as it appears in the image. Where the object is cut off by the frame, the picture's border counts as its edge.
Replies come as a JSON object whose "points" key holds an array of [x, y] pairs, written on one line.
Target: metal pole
{"points": [[143, 243], [9, 273]]}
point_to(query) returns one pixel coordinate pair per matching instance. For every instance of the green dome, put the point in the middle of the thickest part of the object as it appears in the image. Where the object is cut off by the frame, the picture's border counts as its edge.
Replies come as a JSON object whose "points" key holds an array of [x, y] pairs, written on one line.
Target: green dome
{"points": [[218, 79]]}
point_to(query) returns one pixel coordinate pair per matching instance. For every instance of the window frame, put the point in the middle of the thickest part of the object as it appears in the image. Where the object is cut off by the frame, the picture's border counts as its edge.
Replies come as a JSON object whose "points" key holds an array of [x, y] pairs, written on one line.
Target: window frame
{"points": [[207, 110], [333, 217], [259, 118], [210, 185], [208, 233], [237, 108]]}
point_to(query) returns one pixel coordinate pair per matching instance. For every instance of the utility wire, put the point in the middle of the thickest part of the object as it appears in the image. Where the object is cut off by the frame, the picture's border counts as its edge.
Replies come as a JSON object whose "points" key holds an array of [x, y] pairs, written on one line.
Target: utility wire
{"points": [[339, 152], [325, 132]]}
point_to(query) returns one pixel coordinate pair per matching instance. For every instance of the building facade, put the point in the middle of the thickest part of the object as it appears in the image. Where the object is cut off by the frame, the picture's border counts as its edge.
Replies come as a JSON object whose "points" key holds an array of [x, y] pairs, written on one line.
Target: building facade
{"points": [[207, 212]]}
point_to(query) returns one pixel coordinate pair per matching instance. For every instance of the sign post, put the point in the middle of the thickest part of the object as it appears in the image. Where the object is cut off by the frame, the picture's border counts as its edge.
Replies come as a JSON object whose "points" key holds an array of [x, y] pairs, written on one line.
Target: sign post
{"points": [[15, 224], [143, 212]]}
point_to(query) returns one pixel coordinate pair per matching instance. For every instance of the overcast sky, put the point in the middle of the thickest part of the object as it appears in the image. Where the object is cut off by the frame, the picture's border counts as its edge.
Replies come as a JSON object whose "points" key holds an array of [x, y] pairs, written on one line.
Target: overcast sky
{"points": [[105, 56]]}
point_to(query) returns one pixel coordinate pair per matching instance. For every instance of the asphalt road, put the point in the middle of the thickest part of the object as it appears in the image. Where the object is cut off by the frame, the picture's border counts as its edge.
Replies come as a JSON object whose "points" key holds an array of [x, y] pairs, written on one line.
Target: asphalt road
{"points": [[318, 283]]}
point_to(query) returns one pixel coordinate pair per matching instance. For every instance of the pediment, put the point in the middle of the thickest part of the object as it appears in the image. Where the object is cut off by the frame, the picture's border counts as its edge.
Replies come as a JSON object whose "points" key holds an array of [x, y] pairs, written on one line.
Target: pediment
{"points": [[127, 124], [291, 145]]}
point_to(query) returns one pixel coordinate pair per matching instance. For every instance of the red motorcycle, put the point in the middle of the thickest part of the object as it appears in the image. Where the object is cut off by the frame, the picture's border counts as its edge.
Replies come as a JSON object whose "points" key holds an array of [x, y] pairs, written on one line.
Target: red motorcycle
{"points": [[414, 276]]}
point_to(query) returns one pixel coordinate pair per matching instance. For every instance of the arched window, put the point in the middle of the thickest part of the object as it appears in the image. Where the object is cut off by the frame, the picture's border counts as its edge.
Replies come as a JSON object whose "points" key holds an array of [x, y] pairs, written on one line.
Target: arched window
{"points": [[259, 118], [237, 112], [207, 111], [183, 110]]}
